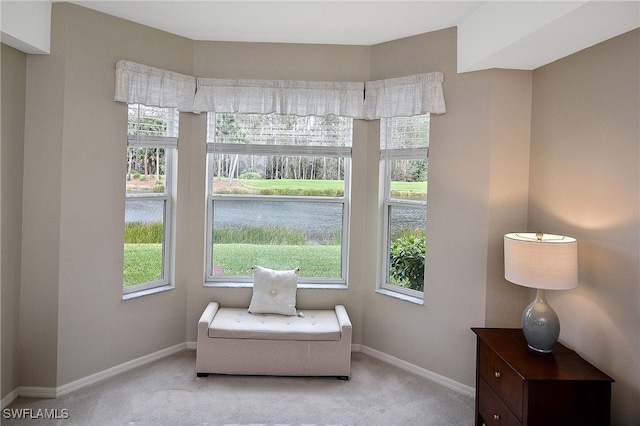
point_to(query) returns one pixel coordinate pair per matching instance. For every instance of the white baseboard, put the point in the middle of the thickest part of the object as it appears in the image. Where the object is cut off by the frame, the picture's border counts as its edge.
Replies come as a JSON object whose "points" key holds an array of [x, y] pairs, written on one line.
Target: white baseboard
{"points": [[423, 372], [43, 392], [9, 398]]}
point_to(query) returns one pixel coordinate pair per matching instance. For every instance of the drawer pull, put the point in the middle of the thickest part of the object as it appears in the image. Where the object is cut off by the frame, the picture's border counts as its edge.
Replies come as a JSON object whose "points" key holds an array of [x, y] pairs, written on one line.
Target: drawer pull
{"points": [[497, 374], [496, 417]]}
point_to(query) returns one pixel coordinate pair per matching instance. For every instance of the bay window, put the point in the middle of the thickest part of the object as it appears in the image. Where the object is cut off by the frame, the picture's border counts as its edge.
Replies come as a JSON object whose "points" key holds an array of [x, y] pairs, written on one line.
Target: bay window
{"points": [[278, 174]]}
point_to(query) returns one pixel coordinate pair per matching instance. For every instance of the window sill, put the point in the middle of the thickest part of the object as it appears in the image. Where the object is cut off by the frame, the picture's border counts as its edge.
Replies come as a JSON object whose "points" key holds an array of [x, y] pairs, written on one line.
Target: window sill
{"points": [[396, 295], [136, 294], [324, 286]]}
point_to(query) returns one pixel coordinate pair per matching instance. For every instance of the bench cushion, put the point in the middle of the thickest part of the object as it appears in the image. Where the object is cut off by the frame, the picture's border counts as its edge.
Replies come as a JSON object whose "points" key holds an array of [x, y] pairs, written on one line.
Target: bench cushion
{"points": [[237, 323]]}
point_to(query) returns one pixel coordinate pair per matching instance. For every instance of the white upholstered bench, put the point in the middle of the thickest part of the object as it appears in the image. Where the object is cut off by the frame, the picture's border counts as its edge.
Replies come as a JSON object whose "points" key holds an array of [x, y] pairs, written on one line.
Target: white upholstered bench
{"points": [[234, 341]]}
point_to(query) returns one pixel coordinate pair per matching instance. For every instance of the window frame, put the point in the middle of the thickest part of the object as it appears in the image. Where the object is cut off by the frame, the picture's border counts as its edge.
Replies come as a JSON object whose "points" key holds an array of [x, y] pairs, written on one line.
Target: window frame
{"points": [[387, 156], [170, 145], [212, 280]]}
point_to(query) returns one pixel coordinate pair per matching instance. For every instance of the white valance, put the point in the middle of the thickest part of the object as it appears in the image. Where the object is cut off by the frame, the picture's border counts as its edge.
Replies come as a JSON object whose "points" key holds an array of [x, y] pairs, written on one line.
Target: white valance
{"points": [[404, 96], [396, 97], [291, 97], [137, 83]]}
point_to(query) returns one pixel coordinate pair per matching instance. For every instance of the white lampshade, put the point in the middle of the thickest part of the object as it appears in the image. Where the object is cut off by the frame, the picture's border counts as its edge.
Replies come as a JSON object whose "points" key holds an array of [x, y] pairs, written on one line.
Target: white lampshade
{"points": [[542, 261]]}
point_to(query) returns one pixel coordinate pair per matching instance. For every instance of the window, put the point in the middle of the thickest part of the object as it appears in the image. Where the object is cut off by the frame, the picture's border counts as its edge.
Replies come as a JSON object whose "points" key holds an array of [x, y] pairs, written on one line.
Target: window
{"points": [[404, 163], [152, 142], [278, 196]]}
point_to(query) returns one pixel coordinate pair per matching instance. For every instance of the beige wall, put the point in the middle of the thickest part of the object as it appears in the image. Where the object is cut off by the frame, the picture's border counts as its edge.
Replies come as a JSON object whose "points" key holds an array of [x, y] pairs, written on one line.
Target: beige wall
{"points": [[74, 322], [585, 182], [508, 188], [73, 319], [13, 68], [487, 120]]}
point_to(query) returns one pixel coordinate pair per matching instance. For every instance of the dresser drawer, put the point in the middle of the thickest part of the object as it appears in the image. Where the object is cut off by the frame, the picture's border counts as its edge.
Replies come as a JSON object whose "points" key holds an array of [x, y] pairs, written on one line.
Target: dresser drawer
{"points": [[492, 409], [501, 378]]}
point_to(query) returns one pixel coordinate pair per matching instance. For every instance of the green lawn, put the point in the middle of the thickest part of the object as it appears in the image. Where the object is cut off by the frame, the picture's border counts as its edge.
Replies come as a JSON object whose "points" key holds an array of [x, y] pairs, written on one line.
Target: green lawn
{"points": [[290, 184], [409, 186], [143, 262], [313, 260]]}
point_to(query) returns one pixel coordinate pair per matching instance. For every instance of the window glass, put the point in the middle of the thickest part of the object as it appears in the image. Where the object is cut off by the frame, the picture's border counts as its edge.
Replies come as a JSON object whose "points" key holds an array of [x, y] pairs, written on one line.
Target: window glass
{"points": [[152, 139], [144, 241], [278, 196], [277, 175], [404, 154], [408, 179], [279, 234], [146, 170]]}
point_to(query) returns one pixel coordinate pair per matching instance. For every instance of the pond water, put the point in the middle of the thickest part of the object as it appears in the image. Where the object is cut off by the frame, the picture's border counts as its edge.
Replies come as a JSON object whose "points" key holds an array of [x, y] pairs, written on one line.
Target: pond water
{"points": [[144, 211], [318, 220]]}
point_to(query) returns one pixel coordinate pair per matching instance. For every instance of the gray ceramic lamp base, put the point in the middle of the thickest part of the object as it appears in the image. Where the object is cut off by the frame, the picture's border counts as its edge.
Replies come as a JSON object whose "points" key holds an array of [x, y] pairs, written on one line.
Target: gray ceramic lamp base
{"points": [[540, 324]]}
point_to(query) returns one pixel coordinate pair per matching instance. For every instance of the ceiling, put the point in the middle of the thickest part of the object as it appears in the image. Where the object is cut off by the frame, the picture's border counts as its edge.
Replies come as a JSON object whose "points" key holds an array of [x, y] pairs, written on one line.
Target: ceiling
{"points": [[324, 22], [491, 34]]}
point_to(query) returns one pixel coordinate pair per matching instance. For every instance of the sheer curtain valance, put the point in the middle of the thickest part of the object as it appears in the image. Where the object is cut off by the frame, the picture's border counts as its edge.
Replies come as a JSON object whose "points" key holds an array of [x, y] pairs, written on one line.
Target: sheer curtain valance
{"points": [[403, 96], [142, 84], [279, 97]]}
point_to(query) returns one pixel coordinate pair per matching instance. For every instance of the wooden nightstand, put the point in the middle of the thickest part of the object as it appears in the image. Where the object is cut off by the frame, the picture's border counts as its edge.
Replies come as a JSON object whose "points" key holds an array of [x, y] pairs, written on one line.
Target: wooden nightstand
{"points": [[516, 386]]}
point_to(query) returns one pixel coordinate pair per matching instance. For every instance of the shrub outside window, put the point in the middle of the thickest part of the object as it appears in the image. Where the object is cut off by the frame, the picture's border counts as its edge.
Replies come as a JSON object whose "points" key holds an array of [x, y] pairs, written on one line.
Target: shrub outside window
{"points": [[404, 158], [151, 142], [278, 196]]}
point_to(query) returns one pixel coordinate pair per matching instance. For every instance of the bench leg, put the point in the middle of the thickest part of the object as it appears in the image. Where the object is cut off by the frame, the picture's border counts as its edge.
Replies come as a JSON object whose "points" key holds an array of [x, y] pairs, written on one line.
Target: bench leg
{"points": [[343, 378], [202, 374]]}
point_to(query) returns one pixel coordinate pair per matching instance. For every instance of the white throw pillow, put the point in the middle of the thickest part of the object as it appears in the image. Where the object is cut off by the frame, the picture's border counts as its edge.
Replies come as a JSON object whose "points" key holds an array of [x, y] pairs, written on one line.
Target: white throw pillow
{"points": [[274, 292]]}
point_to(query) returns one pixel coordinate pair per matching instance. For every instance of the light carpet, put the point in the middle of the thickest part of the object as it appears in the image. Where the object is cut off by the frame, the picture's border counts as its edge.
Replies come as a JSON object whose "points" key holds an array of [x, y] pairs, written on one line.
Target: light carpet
{"points": [[167, 392]]}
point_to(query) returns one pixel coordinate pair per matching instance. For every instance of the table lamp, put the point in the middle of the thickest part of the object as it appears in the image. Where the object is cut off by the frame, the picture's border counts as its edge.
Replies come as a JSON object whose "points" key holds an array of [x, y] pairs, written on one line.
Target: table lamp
{"points": [[544, 262]]}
